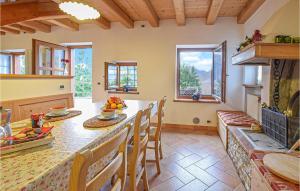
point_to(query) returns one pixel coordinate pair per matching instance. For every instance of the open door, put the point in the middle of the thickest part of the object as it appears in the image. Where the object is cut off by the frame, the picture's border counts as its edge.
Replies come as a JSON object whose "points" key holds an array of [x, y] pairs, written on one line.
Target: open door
{"points": [[50, 59], [219, 72]]}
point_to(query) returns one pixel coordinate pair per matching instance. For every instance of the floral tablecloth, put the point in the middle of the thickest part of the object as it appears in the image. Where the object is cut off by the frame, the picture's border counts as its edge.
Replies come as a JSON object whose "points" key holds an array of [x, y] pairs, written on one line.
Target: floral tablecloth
{"points": [[47, 168]]}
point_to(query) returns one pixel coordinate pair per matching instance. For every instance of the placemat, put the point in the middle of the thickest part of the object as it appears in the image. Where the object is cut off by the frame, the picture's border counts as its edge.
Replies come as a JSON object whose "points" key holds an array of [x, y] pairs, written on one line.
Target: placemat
{"points": [[97, 123], [72, 113]]}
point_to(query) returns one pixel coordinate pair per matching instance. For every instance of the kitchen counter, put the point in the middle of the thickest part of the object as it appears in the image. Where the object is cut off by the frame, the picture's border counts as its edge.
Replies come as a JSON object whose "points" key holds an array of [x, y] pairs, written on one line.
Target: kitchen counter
{"points": [[271, 181], [48, 167]]}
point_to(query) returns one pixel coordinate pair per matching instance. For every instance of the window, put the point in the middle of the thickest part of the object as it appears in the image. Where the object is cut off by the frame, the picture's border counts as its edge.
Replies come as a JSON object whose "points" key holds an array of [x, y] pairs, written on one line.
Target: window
{"points": [[50, 59], [201, 70], [120, 75], [12, 63], [81, 58]]}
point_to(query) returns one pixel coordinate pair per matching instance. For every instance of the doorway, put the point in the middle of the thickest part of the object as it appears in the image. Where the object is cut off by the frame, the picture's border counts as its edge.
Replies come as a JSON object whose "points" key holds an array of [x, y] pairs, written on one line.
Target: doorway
{"points": [[81, 58]]}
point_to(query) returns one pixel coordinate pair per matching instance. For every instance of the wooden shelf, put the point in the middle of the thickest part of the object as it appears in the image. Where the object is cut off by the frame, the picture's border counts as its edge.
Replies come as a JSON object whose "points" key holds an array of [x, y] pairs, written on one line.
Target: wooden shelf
{"points": [[262, 53], [25, 76]]}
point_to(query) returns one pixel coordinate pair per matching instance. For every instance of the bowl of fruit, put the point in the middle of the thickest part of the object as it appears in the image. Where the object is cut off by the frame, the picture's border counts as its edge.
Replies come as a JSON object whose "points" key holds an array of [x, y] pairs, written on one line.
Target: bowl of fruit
{"points": [[115, 103]]}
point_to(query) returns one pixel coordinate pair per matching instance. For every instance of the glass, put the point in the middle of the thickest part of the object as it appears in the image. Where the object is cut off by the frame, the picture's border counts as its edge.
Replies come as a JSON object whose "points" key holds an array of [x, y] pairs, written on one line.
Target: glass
{"points": [[20, 64], [60, 66], [44, 56], [112, 76], [128, 76], [218, 67], [195, 72], [5, 64]]}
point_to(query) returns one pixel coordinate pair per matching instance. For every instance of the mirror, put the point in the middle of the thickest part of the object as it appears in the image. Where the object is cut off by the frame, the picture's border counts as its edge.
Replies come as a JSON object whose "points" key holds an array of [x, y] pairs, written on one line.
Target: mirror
{"points": [[13, 61]]}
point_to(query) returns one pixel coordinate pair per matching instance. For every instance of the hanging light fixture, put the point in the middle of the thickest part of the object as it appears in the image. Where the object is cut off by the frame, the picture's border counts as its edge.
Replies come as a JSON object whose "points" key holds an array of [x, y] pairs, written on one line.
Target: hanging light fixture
{"points": [[79, 10]]}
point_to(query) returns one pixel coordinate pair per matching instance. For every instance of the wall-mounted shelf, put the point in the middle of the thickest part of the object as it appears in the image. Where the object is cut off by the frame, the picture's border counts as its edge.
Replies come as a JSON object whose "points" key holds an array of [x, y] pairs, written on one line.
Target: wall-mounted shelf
{"points": [[25, 76], [262, 53]]}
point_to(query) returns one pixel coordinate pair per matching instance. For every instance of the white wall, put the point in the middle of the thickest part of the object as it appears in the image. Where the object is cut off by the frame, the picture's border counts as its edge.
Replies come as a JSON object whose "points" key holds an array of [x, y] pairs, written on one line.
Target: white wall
{"points": [[155, 51], [11, 89]]}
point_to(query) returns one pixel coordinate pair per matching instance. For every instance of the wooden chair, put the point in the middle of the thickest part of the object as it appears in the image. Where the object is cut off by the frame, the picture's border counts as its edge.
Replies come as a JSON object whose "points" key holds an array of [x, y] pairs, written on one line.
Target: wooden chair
{"points": [[116, 168], [155, 134], [137, 150]]}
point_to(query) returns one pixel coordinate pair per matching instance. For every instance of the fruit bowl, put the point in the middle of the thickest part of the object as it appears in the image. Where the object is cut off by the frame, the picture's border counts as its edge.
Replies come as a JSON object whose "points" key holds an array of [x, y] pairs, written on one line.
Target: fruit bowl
{"points": [[115, 103]]}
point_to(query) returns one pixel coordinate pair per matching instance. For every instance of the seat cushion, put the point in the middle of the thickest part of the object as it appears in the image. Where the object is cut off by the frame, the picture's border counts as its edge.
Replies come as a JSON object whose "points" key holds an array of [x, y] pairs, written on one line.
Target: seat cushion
{"points": [[236, 118]]}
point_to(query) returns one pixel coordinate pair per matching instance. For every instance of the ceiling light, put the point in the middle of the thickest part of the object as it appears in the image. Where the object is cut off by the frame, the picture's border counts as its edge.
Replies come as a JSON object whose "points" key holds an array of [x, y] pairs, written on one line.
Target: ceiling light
{"points": [[79, 10]]}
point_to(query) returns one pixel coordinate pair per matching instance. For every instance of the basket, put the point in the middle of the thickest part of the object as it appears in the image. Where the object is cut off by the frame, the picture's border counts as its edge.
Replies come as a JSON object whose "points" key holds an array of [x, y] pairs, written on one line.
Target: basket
{"points": [[275, 125]]}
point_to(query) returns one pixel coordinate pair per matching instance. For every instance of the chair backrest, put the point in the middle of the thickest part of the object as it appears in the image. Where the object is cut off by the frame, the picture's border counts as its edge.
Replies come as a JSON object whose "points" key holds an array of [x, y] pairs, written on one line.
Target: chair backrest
{"points": [[160, 115], [118, 166], [141, 132]]}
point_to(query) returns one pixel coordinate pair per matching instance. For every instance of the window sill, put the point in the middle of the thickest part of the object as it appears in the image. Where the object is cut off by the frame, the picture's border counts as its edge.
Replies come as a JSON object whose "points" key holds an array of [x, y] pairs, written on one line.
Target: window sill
{"points": [[122, 92], [215, 101]]}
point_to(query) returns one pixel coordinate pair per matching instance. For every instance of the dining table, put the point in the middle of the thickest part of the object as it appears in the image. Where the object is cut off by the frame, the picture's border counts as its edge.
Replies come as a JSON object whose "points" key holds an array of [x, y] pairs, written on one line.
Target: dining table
{"points": [[48, 167]]}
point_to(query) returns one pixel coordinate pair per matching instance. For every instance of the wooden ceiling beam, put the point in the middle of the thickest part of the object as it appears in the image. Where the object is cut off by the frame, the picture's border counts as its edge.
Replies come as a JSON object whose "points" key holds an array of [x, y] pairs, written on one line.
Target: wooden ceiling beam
{"points": [[249, 10], [102, 22], [2, 33], [15, 13], [146, 10], [37, 26], [115, 10], [213, 11], [9, 30], [22, 28], [179, 12], [66, 23]]}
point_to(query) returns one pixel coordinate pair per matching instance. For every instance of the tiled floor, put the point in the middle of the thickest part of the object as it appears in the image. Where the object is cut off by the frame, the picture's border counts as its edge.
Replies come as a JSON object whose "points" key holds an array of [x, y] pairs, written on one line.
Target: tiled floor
{"points": [[193, 162]]}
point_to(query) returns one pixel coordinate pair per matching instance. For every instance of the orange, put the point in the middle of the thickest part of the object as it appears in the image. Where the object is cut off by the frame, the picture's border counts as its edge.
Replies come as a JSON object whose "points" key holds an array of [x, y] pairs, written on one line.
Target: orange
{"points": [[113, 106]]}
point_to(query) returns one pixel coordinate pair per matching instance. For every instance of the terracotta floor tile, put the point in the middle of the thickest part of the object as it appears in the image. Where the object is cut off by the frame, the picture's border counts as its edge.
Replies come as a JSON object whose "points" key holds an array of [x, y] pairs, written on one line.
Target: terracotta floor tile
{"points": [[201, 175], [207, 162], [189, 160], [198, 161], [219, 186], [195, 185], [184, 151], [224, 177], [171, 184], [180, 173]]}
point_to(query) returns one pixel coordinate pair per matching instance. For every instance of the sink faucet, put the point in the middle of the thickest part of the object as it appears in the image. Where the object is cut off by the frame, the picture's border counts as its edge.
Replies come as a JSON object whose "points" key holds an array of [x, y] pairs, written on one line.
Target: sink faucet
{"points": [[5, 117]]}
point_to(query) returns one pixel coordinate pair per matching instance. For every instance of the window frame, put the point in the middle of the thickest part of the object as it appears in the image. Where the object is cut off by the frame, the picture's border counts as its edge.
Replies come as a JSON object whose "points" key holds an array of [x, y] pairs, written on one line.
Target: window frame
{"points": [[204, 98], [12, 60], [35, 56], [178, 96], [223, 47], [118, 65]]}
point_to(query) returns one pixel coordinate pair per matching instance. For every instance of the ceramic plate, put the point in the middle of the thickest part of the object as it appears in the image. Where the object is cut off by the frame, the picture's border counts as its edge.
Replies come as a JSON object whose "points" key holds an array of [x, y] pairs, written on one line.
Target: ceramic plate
{"points": [[101, 117], [57, 115]]}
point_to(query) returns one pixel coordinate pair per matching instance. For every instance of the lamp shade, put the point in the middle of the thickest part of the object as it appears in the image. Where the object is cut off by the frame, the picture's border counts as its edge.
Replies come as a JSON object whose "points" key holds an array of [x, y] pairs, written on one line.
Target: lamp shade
{"points": [[79, 10]]}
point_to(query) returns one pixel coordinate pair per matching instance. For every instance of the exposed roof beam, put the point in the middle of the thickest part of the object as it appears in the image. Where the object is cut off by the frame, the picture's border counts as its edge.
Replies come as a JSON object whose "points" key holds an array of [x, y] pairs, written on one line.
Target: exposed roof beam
{"points": [[115, 10], [22, 28], [14, 13], [66, 23], [213, 11], [37, 26], [102, 22], [147, 11], [9, 30], [249, 10], [179, 11], [2, 33]]}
